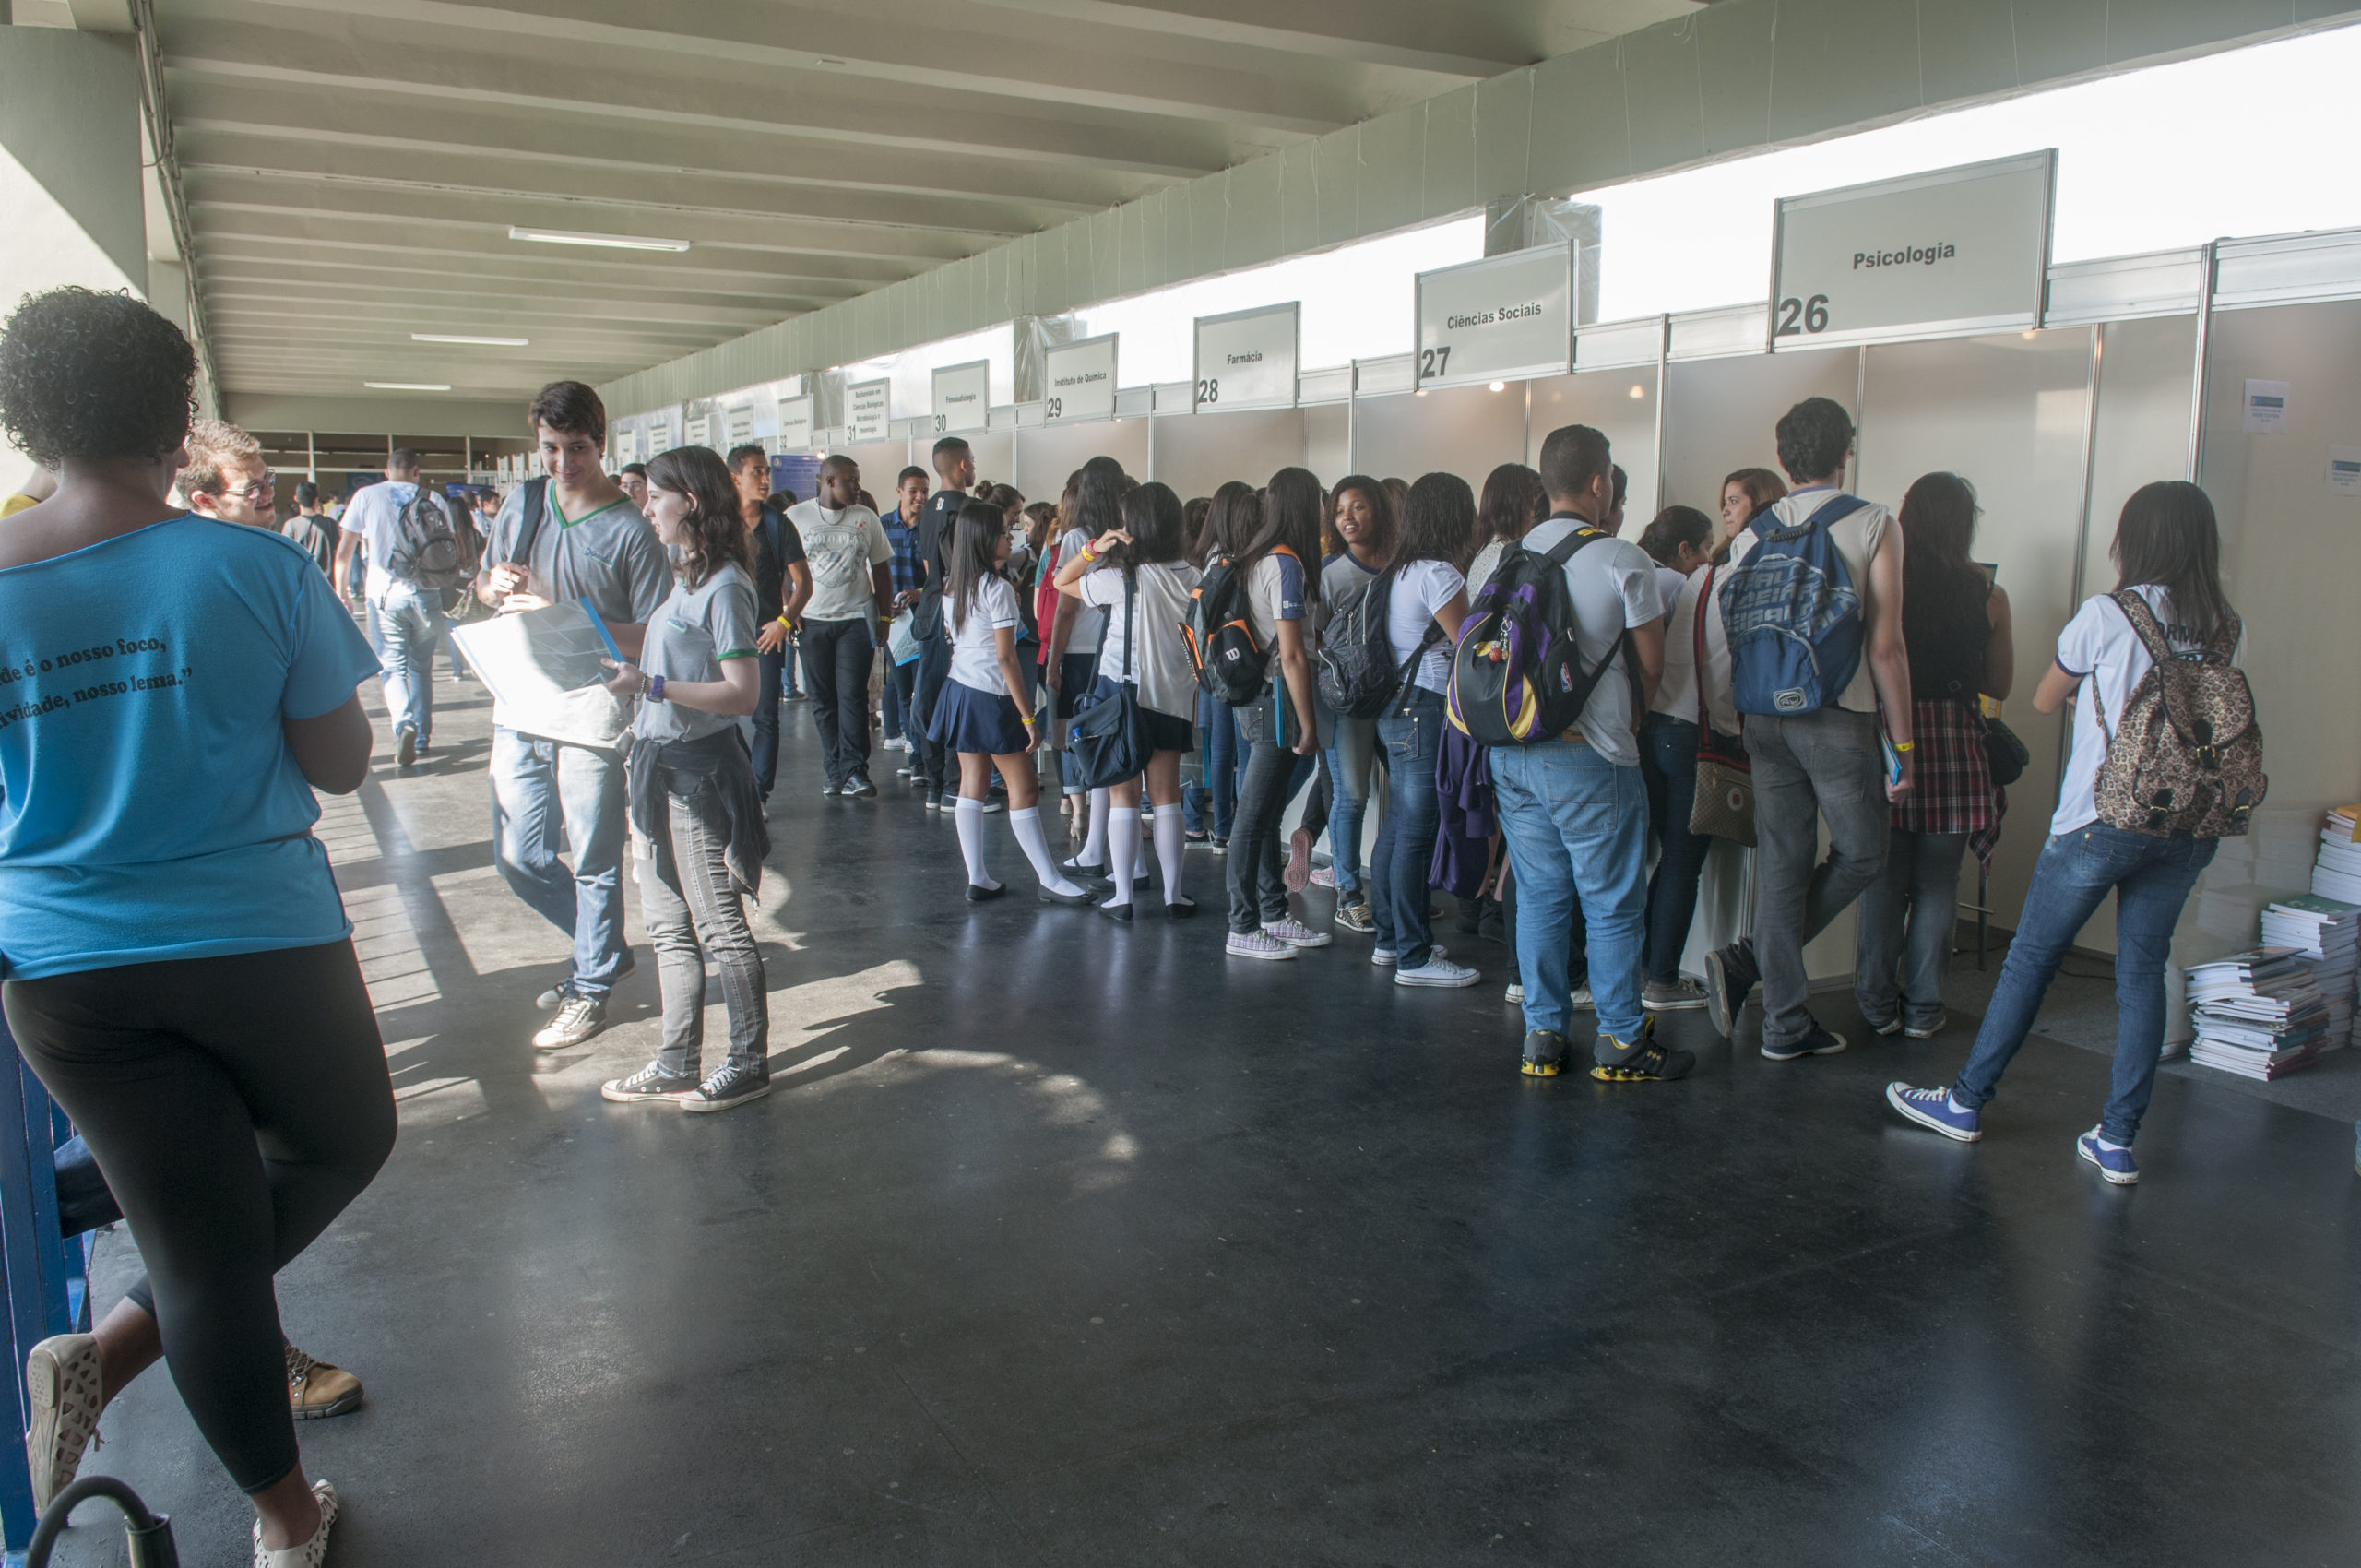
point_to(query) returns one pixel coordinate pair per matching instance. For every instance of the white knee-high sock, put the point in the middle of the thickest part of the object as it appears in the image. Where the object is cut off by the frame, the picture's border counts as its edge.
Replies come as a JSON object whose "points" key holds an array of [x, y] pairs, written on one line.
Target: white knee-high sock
{"points": [[1169, 844], [971, 841], [1027, 825], [1094, 850], [1124, 844]]}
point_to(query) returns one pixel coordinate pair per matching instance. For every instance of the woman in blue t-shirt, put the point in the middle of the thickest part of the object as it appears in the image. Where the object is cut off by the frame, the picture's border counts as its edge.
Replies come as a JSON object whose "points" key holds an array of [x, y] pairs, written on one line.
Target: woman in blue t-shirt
{"points": [[179, 969]]}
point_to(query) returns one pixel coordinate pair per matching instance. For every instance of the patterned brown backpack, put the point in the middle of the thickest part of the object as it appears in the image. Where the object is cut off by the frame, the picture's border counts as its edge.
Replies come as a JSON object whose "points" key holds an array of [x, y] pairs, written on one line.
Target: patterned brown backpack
{"points": [[2186, 754]]}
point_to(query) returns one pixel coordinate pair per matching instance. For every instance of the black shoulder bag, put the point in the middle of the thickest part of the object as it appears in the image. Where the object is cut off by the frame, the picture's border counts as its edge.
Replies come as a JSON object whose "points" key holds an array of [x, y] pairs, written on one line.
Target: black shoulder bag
{"points": [[1109, 742]]}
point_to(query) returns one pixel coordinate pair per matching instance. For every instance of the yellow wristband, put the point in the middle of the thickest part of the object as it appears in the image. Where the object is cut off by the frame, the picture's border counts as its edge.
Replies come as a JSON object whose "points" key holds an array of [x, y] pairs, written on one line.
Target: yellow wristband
{"points": [[1904, 745]]}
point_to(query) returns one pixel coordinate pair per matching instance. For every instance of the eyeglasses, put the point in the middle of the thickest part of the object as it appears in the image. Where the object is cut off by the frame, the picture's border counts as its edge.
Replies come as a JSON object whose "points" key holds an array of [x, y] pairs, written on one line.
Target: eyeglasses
{"points": [[258, 492]]}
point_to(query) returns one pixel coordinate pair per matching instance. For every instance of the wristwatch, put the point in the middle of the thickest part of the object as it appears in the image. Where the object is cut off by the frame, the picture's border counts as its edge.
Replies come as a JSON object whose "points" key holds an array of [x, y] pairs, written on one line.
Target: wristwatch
{"points": [[655, 688]]}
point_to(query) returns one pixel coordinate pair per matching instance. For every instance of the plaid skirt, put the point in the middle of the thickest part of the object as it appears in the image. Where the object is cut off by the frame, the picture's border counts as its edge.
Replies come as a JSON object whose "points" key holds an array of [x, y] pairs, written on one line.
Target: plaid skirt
{"points": [[1952, 790]]}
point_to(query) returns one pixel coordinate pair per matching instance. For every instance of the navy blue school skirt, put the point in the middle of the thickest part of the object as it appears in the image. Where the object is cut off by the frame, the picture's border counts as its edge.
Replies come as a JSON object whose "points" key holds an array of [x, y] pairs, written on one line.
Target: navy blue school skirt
{"points": [[981, 723]]}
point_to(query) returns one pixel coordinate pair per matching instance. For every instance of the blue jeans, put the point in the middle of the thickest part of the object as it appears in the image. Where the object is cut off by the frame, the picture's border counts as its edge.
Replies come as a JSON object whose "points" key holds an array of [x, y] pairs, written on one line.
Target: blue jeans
{"points": [[1349, 764], [900, 701], [1668, 768], [1411, 733], [1576, 826], [406, 623], [770, 674], [2151, 879], [545, 795], [1210, 806]]}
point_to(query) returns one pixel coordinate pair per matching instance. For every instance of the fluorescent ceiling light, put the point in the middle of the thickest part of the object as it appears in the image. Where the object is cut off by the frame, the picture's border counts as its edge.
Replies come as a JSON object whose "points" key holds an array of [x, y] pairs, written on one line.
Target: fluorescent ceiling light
{"points": [[463, 337], [408, 386], [610, 241]]}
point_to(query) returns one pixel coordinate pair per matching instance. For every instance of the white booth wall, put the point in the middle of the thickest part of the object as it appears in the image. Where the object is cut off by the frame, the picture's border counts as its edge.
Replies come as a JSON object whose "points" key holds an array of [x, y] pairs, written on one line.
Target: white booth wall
{"points": [[1604, 399], [879, 461], [1195, 454], [1046, 453], [2291, 559], [1467, 431]]}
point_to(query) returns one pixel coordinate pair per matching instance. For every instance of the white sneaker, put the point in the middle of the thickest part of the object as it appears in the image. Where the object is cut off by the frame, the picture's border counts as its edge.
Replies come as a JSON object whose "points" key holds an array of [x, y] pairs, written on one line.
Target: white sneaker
{"points": [[1295, 933], [1515, 995], [1581, 998], [1437, 971], [309, 1554], [1255, 944], [63, 1377]]}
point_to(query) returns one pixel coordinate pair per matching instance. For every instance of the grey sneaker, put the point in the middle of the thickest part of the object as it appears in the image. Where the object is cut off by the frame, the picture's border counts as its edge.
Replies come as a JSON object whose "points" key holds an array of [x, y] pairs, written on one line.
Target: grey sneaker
{"points": [[405, 746], [578, 1017], [1672, 996], [1353, 914], [1730, 974], [650, 1082], [733, 1085], [1926, 1032]]}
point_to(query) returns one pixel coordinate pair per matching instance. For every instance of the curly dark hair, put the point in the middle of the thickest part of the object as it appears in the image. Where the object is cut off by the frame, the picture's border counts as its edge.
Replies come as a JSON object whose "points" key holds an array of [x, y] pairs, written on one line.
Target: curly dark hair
{"points": [[1813, 437], [86, 376]]}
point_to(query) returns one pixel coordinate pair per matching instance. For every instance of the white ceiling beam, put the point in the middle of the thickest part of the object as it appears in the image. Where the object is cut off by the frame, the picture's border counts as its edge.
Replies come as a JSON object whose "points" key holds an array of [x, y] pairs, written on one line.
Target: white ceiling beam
{"points": [[1457, 40]]}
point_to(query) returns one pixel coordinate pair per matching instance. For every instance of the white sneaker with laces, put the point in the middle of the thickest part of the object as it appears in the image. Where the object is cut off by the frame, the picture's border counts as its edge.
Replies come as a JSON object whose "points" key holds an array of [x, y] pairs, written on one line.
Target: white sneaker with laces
{"points": [[1295, 933], [578, 1017], [1255, 944], [1436, 972]]}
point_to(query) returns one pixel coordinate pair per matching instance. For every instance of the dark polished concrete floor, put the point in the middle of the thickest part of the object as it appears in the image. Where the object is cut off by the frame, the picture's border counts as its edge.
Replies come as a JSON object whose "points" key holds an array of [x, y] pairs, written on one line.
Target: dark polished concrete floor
{"points": [[1065, 1243]]}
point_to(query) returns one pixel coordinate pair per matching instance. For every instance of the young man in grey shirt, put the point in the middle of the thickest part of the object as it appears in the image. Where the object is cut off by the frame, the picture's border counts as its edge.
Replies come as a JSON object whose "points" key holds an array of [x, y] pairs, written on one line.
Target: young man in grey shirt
{"points": [[573, 534]]}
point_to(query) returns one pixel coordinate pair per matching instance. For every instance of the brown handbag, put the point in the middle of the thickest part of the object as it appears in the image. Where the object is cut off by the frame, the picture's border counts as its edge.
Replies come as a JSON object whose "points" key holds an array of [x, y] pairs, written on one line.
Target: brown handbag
{"points": [[1724, 803]]}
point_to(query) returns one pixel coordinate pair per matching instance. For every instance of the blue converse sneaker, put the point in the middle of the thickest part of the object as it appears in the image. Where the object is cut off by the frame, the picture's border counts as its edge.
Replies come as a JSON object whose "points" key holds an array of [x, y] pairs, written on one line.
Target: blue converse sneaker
{"points": [[2116, 1164], [1933, 1107]]}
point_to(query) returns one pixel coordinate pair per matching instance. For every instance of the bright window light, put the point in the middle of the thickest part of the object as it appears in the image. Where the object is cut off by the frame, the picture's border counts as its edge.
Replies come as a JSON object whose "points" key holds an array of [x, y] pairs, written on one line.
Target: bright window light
{"points": [[408, 386], [605, 241], [2152, 160], [464, 337]]}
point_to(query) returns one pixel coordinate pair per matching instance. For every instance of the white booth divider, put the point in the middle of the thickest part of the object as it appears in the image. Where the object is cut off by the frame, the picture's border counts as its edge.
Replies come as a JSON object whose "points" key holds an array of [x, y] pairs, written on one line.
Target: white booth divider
{"points": [[1197, 453]]}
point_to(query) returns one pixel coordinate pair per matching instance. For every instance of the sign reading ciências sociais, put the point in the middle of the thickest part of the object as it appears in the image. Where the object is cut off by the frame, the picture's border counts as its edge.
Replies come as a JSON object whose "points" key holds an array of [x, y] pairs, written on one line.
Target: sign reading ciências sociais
{"points": [[1501, 318], [1944, 254], [795, 424], [866, 414], [963, 396], [1247, 359], [1081, 381]]}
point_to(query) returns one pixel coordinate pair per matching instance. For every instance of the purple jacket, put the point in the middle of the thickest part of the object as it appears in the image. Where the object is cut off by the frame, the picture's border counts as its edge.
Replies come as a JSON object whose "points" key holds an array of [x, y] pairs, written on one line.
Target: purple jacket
{"points": [[1464, 837]]}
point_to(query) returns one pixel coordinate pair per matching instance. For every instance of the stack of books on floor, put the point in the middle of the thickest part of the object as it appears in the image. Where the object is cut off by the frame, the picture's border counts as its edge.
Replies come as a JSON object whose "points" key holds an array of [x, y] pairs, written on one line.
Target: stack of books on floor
{"points": [[2327, 931], [2258, 1014], [2337, 872]]}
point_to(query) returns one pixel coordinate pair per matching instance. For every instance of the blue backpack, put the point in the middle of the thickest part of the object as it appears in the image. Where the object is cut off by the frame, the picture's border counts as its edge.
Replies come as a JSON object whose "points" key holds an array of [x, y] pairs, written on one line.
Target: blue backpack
{"points": [[1793, 615]]}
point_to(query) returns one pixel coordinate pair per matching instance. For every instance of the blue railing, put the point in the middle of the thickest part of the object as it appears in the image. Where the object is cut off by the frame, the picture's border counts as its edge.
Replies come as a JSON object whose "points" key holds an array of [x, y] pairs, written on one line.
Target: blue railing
{"points": [[48, 1286]]}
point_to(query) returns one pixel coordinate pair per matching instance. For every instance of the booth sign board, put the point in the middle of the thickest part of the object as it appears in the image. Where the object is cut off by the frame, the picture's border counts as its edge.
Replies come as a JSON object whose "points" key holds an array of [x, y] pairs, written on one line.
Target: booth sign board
{"points": [[700, 431], [1081, 379], [740, 427], [658, 436], [1502, 318], [1247, 359], [963, 396], [1946, 253], [866, 416], [795, 424]]}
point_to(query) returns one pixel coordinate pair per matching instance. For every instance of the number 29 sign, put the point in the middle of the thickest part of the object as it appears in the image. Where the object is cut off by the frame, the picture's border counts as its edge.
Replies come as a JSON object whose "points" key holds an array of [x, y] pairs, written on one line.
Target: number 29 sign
{"points": [[1950, 252]]}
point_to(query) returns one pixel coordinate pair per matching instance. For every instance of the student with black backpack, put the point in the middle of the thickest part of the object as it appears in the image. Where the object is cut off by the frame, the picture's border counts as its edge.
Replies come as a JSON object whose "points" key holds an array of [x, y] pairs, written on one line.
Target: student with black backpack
{"points": [[1560, 658], [1252, 648], [2167, 762], [1812, 601]]}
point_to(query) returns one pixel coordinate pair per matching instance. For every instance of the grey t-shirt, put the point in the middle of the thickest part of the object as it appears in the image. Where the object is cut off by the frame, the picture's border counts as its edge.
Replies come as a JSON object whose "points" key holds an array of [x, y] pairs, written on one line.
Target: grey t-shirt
{"points": [[688, 638], [611, 556]]}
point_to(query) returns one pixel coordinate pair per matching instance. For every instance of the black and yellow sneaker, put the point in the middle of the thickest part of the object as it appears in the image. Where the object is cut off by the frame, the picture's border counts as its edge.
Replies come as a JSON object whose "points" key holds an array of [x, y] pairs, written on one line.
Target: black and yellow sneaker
{"points": [[1545, 1054], [1640, 1060]]}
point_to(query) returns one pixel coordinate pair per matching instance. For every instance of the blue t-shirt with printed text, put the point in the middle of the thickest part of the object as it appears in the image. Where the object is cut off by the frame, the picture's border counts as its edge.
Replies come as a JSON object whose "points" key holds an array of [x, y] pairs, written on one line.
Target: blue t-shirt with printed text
{"points": [[150, 807]]}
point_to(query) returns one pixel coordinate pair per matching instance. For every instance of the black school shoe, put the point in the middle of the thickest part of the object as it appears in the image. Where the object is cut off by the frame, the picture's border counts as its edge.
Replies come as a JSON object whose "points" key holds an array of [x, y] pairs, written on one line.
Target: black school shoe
{"points": [[1640, 1061], [731, 1086], [1818, 1043], [978, 893]]}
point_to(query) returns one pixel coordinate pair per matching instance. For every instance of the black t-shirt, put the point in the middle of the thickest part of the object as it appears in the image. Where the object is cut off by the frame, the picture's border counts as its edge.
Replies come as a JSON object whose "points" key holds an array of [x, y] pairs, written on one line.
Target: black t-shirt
{"points": [[771, 564], [936, 521]]}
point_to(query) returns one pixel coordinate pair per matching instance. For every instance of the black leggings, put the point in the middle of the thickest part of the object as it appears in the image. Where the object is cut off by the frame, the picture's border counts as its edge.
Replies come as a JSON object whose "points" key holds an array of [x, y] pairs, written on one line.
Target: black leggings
{"points": [[235, 1105]]}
